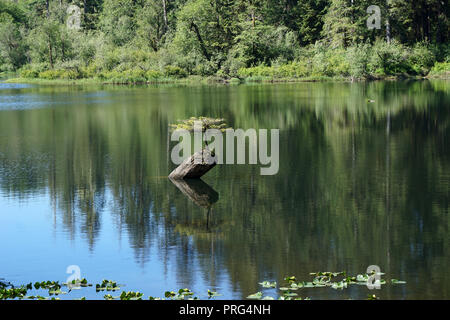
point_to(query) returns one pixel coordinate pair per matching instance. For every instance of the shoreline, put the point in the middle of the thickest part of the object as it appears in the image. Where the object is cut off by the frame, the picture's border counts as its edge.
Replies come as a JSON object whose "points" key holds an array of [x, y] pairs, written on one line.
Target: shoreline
{"points": [[198, 80]]}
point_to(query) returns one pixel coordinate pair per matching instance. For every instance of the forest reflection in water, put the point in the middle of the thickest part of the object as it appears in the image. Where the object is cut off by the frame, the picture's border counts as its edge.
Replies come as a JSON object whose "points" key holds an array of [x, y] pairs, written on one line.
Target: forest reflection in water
{"points": [[360, 183]]}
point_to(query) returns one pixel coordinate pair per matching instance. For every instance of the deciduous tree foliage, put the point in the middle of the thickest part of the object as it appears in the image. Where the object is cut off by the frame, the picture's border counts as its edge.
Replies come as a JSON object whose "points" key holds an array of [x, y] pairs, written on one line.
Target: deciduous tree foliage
{"points": [[206, 37]]}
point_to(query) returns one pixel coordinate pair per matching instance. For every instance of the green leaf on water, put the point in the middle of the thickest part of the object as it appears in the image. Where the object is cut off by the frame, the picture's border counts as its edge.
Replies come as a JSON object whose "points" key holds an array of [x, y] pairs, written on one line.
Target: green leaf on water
{"points": [[290, 279], [362, 278], [308, 285], [339, 285], [185, 291], [296, 286], [212, 294], [255, 296], [290, 294], [395, 281], [268, 284]]}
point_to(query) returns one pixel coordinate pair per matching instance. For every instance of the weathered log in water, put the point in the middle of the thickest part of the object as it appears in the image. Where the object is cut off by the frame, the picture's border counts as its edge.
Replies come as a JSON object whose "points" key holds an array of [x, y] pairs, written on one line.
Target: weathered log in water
{"points": [[195, 166], [197, 191]]}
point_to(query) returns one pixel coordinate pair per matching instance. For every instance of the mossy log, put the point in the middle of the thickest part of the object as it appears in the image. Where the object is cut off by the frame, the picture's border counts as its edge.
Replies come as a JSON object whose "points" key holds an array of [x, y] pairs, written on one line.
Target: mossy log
{"points": [[195, 166]]}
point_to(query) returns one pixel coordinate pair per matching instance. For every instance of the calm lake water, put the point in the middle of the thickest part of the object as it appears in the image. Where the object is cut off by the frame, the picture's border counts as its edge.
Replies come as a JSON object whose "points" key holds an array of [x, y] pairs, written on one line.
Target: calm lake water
{"points": [[83, 181]]}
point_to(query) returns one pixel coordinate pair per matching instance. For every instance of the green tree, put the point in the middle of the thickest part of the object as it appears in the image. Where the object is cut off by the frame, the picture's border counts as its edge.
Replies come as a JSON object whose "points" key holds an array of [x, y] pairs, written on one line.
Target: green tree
{"points": [[309, 20], [263, 44], [345, 22], [12, 44], [152, 24], [118, 20], [206, 28], [339, 29], [50, 42], [421, 20]]}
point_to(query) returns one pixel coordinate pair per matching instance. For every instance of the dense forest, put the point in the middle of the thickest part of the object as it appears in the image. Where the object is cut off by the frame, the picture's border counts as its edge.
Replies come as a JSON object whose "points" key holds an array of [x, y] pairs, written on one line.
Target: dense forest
{"points": [[129, 41]]}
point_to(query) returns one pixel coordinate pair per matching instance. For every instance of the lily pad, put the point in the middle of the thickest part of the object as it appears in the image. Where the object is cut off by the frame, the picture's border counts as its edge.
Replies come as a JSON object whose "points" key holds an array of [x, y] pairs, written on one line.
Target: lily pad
{"points": [[255, 296], [395, 281], [268, 284]]}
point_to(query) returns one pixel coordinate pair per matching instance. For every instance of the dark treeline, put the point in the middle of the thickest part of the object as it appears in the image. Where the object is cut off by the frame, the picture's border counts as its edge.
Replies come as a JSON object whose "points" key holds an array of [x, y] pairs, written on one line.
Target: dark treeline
{"points": [[140, 40]]}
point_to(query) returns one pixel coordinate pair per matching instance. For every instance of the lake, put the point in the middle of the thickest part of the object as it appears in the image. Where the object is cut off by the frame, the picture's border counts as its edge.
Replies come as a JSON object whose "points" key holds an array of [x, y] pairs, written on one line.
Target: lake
{"points": [[83, 181]]}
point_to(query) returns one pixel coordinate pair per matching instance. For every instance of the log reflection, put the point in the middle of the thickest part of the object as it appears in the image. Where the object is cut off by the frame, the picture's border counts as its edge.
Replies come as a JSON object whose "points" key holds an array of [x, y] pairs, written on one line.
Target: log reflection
{"points": [[197, 191]]}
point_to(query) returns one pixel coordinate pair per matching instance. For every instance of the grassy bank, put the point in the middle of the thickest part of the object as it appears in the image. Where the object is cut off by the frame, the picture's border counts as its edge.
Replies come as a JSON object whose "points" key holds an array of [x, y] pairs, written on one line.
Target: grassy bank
{"points": [[441, 70], [199, 80], [190, 80], [261, 74], [365, 62]]}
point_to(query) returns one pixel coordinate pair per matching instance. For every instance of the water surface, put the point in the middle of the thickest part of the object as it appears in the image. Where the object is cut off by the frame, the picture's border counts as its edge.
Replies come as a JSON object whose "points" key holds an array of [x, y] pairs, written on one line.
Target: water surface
{"points": [[83, 181]]}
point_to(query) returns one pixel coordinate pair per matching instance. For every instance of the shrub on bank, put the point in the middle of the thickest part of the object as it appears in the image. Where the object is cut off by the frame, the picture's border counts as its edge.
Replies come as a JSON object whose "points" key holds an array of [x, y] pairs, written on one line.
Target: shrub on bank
{"points": [[53, 74], [153, 75], [314, 62], [421, 59], [29, 73], [361, 62], [298, 69], [90, 71], [358, 58], [175, 71], [127, 76], [441, 69], [388, 59], [32, 70]]}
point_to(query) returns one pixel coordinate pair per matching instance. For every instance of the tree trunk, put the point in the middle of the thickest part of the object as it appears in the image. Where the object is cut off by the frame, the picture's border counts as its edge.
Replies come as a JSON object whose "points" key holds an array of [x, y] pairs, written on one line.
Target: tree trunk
{"points": [[195, 166], [202, 44], [50, 54], [165, 14], [388, 31]]}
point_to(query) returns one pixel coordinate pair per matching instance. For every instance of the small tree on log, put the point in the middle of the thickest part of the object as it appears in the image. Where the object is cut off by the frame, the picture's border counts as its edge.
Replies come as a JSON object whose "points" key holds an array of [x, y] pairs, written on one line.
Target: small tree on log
{"points": [[193, 167]]}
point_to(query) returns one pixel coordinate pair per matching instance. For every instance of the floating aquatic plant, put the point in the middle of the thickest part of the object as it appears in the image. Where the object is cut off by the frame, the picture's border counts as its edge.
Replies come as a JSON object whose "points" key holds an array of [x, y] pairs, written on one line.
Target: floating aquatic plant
{"points": [[334, 280], [212, 294], [395, 281], [107, 285], [268, 284], [183, 294], [51, 285], [169, 294], [131, 295], [288, 291], [256, 296], [36, 298], [78, 283], [13, 293]]}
